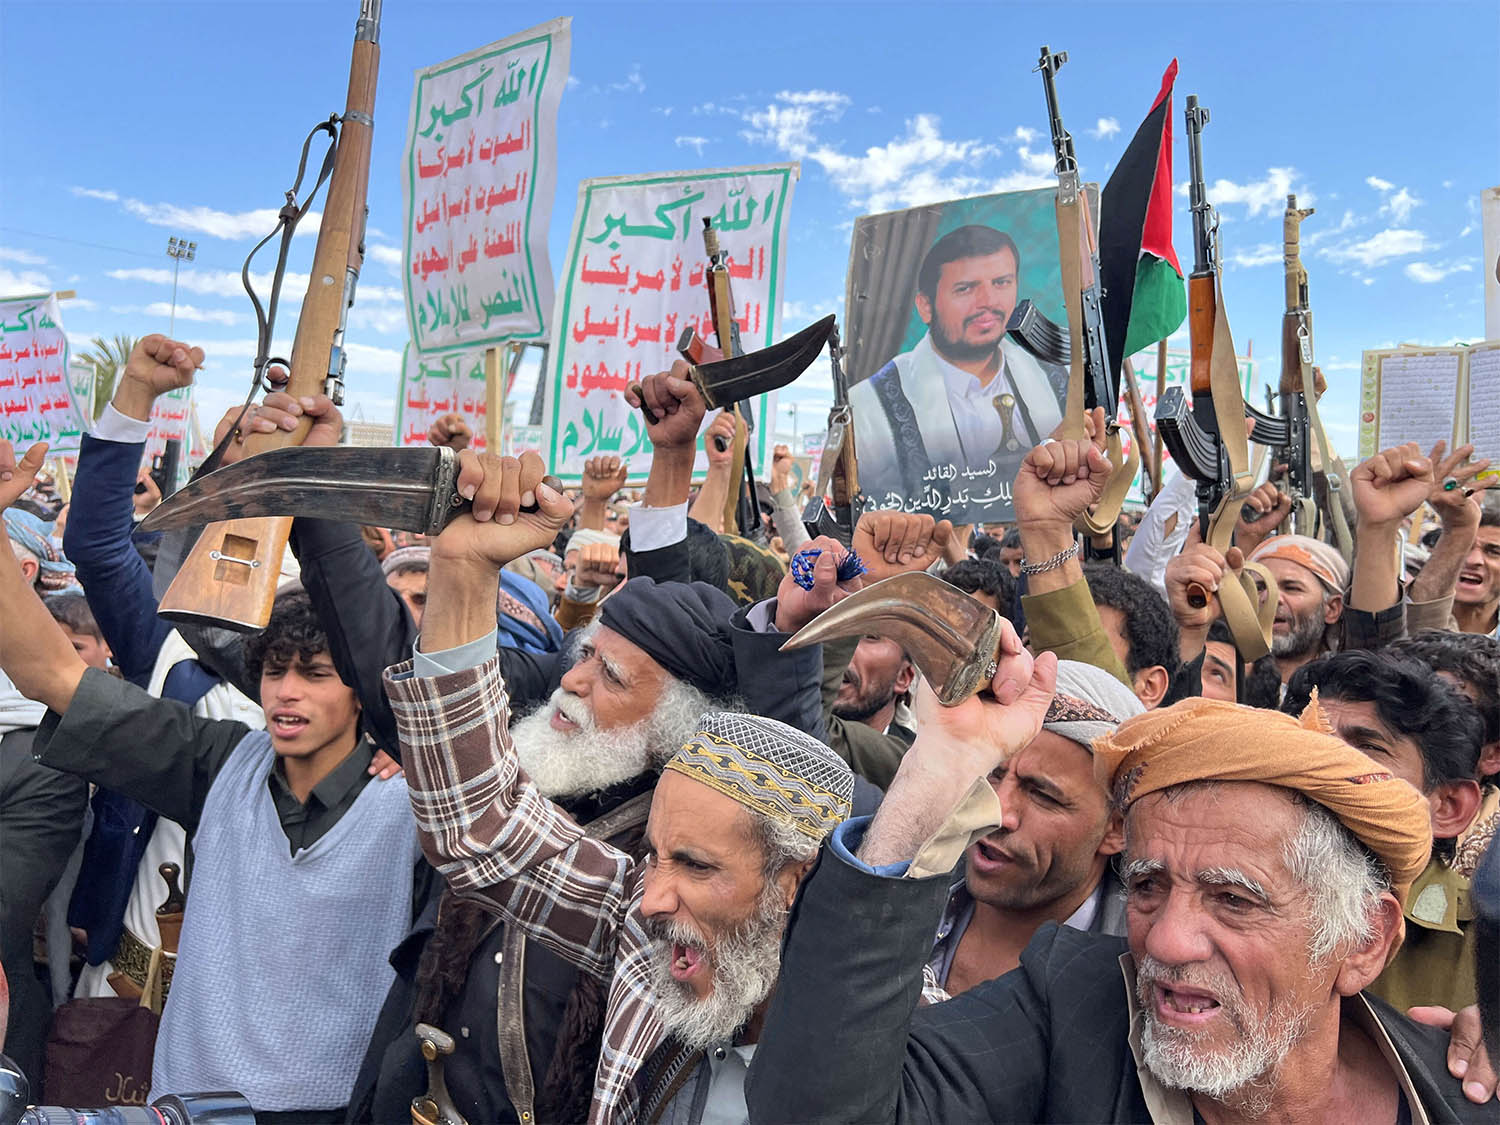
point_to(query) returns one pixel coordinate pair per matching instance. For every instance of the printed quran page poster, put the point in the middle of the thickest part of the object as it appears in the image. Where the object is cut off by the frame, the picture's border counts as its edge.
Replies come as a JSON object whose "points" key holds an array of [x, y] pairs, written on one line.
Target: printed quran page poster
{"points": [[1418, 398], [1484, 401], [633, 280]]}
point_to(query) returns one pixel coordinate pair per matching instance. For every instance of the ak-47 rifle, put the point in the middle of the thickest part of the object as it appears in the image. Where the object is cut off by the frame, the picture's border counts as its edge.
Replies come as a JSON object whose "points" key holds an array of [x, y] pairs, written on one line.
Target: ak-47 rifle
{"points": [[1091, 381], [1296, 375], [1208, 437], [741, 510], [836, 515], [230, 576]]}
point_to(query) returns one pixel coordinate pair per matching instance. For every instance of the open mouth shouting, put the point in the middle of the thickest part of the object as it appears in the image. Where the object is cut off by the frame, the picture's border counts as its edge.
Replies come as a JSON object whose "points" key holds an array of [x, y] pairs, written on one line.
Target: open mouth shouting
{"points": [[287, 724], [1183, 1007]]}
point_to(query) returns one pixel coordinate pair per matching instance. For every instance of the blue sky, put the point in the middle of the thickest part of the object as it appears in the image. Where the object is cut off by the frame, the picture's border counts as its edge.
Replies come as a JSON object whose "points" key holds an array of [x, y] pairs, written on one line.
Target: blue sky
{"points": [[126, 123]]}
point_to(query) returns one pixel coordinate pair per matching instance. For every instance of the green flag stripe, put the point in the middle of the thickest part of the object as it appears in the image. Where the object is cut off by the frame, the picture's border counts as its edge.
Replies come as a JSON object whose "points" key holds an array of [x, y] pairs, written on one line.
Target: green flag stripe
{"points": [[1159, 306]]}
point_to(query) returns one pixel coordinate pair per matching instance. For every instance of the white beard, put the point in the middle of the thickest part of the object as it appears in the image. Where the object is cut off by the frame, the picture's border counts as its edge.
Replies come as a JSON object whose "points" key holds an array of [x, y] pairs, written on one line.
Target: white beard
{"points": [[586, 760], [1243, 1072], [745, 963]]}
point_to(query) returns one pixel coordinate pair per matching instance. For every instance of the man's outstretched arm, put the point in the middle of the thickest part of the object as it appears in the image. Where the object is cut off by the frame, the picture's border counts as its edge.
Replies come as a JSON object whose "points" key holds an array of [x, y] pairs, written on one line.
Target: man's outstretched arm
{"points": [[480, 821], [839, 1044]]}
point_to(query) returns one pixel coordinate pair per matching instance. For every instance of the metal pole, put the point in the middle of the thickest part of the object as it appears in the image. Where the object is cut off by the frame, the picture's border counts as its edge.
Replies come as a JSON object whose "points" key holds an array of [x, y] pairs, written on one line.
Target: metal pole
{"points": [[172, 321], [177, 250]]}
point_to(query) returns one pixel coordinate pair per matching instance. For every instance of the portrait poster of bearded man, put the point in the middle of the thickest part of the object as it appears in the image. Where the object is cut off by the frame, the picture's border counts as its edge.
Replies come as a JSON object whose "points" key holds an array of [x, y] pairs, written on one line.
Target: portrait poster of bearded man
{"points": [[945, 402]]}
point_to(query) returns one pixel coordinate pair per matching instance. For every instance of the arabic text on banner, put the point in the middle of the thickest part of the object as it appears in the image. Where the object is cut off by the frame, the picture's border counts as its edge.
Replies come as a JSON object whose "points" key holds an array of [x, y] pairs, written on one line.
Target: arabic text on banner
{"points": [[36, 394], [633, 281], [172, 420], [478, 177], [439, 383]]}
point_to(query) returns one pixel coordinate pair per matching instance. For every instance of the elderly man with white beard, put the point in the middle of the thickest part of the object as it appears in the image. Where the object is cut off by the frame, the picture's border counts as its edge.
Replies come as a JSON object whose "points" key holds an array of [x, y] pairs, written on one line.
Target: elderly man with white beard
{"points": [[683, 942], [1265, 867]]}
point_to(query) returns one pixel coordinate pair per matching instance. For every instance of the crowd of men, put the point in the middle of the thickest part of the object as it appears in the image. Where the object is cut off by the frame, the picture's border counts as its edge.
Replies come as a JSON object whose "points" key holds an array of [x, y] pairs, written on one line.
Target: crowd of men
{"points": [[537, 821]]}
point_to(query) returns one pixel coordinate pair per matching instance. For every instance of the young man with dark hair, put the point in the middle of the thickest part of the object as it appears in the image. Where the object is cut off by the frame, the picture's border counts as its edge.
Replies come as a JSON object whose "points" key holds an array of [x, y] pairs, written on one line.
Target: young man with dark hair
{"points": [[1471, 663], [303, 863], [70, 609], [1476, 596], [987, 580], [966, 393], [1414, 724], [1140, 626]]}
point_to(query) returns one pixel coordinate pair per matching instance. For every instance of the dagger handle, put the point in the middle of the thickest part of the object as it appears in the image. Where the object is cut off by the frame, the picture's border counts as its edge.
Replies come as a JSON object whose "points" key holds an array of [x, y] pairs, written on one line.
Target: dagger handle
{"points": [[459, 506], [720, 442]]}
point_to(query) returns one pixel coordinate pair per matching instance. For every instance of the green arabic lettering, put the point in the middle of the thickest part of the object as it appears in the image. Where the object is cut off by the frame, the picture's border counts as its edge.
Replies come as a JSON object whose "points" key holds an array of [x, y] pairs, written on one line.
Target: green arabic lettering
{"points": [[664, 227], [570, 439], [440, 115], [23, 320]]}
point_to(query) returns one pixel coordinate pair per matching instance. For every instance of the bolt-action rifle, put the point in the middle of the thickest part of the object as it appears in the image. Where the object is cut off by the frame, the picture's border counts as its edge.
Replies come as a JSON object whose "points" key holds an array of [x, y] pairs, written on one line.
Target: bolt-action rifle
{"points": [[230, 576]]}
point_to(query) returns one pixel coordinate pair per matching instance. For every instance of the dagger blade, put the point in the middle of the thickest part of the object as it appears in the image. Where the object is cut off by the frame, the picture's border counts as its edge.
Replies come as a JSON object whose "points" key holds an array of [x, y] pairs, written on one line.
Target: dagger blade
{"points": [[408, 489]]}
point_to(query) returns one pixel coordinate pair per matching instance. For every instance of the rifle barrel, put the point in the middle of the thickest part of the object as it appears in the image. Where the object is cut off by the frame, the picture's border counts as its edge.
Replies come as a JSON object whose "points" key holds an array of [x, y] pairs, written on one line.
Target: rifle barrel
{"points": [[1197, 117]]}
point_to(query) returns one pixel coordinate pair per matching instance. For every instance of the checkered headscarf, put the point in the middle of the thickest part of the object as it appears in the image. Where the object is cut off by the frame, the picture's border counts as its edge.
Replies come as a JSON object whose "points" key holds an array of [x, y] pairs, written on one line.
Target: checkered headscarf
{"points": [[771, 769], [24, 529]]}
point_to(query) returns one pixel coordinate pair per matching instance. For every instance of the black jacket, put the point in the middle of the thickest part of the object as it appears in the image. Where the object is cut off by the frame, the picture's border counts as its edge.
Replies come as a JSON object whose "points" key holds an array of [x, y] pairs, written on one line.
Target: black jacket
{"points": [[1046, 1042], [41, 818]]}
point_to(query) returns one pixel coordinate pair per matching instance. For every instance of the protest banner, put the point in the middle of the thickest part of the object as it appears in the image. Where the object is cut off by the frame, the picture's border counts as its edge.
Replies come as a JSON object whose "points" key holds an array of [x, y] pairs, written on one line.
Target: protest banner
{"points": [[439, 383], [172, 420], [37, 402], [633, 281], [1430, 394], [478, 177], [930, 291]]}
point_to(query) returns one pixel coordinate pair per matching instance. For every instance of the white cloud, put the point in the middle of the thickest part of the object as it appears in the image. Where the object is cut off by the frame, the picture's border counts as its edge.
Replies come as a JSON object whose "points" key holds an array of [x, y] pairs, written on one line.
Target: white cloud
{"points": [[633, 81], [1266, 194], [96, 193], [193, 313], [23, 284], [226, 283], [23, 257], [1264, 254], [388, 256], [1468, 230], [228, 225], [1429, 273], [694, 143], [1107, 127], [664, 110], [381, 319], [1379, 248], [1378, 184], [1400, 206], [921, 166], [1024, 135], [573, 83]]}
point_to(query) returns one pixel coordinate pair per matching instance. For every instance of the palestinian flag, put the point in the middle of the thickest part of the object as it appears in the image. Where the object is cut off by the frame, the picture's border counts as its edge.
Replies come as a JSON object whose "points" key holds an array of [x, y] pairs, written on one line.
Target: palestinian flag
{"points": [[1144, 298]]}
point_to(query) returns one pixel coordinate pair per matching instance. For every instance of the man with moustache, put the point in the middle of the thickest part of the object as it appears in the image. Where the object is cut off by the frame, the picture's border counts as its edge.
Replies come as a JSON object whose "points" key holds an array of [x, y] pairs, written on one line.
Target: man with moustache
{"points": [[1265, 866], [1050, 858], [869, 724], [304, 872], [685, 941], [943, 402]]}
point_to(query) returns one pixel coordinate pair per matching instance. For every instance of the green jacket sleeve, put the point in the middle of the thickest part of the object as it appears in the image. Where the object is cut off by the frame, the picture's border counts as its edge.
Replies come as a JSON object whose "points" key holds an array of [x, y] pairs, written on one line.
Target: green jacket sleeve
{"points": [[1067, 622]]}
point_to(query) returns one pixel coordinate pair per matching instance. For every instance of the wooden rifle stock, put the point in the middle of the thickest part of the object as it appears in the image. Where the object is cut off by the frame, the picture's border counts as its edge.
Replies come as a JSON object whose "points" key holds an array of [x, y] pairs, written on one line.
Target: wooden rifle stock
{"points": [[230, 576], [1202, 309]]}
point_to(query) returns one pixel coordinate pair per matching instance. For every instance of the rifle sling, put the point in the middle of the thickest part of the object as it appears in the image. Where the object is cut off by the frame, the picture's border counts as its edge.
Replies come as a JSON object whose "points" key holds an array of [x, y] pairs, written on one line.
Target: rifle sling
{"points": [[1249, 619], [1332, 466], [1071, 231]]}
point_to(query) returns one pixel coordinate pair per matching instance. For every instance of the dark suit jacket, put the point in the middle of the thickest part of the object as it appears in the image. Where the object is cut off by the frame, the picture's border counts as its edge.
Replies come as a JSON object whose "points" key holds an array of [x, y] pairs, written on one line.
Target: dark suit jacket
{"points": [[1046, 1042], [41, 817]]}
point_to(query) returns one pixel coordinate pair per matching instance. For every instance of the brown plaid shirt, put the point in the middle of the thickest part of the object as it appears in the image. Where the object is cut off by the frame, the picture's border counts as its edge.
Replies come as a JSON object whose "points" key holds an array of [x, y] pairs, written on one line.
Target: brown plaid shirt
{"points": [[498, 841]]}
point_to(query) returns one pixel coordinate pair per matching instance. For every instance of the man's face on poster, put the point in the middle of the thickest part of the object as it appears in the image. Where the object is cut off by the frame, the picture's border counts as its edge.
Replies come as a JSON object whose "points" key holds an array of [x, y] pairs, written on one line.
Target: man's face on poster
{"points": [[974, 299]]}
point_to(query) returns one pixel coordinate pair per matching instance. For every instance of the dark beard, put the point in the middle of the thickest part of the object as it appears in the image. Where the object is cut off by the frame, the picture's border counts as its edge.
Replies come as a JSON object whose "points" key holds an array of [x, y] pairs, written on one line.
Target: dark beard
{"points": [[865, 705], [956, 351]]}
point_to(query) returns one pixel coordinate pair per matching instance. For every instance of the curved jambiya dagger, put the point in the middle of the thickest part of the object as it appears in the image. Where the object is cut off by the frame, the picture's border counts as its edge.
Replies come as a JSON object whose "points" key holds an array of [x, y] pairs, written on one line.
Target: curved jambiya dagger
{"points": [[950, 636]]}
